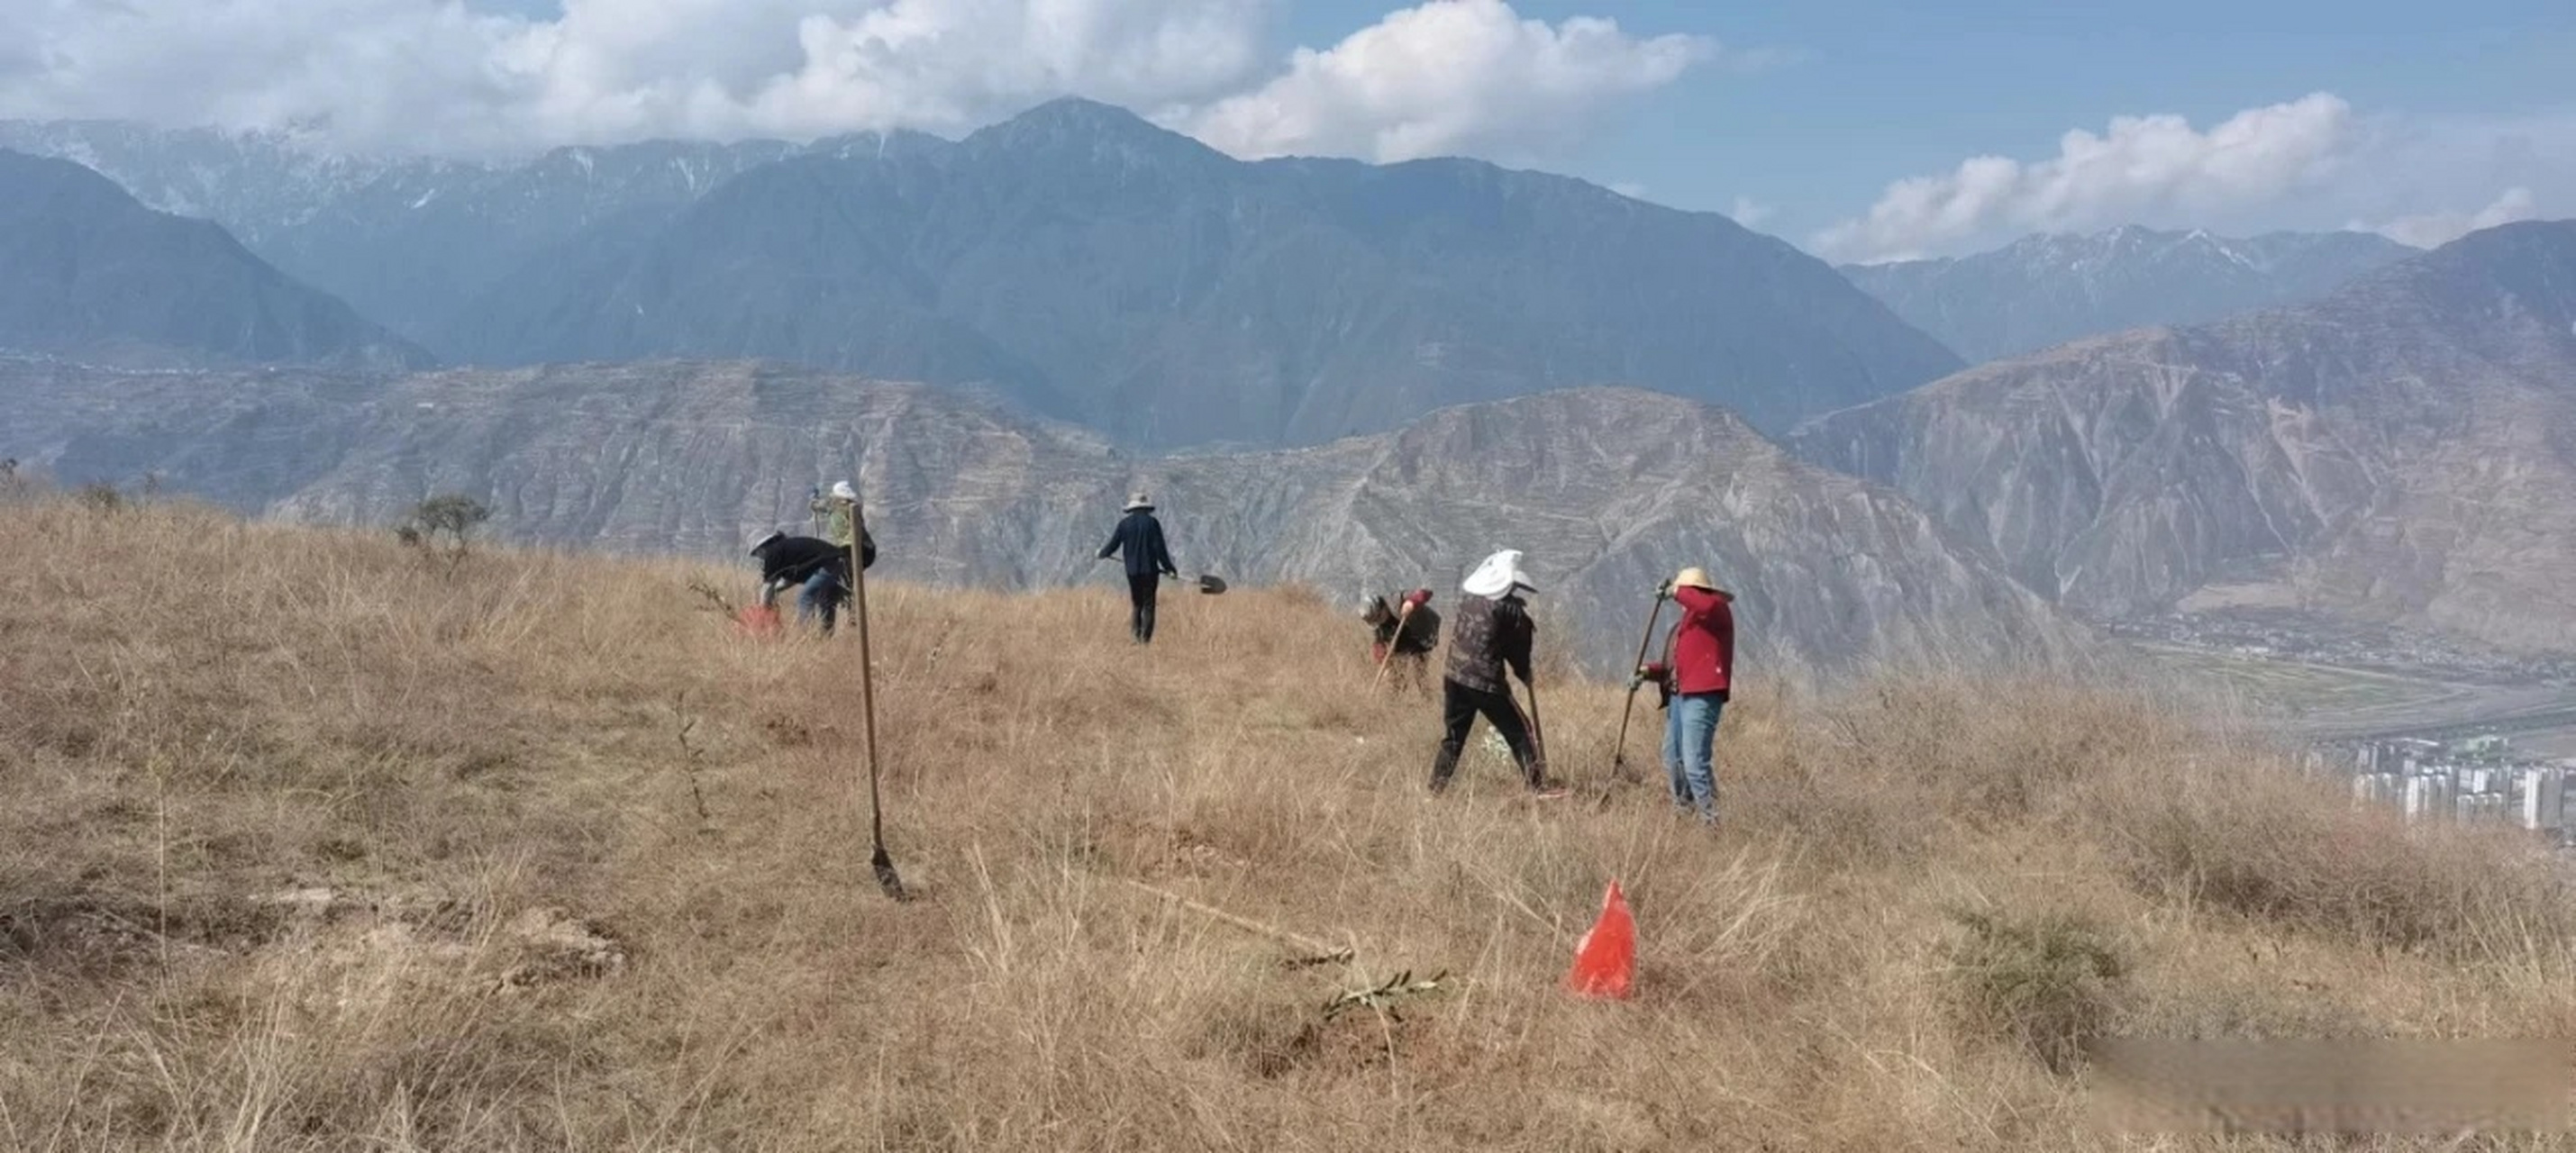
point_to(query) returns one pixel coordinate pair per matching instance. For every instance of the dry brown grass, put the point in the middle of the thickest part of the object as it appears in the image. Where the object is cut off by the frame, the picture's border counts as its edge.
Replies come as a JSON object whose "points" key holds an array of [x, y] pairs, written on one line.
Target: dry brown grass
{"points": [[306, 844]]}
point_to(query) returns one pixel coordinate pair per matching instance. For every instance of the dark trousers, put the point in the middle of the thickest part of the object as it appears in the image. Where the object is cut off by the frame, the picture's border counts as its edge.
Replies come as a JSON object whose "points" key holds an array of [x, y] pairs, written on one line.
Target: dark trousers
{"points": [[1459, 708], [1140, 596]]}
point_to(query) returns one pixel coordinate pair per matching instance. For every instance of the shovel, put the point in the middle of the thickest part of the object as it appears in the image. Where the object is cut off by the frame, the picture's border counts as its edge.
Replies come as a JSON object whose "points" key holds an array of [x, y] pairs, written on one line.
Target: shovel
{"points": [[880, 861], [1619, 751], [1388, 656], [1210, 585], [1537, 735]]}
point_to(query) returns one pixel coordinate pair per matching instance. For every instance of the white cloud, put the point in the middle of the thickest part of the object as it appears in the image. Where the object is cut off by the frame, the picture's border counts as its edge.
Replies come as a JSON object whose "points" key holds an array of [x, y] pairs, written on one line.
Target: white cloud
{"points": [[2434, 229], [422, 76], [1750, 212], [441, 76], [1447, 76], [2141, 166]]}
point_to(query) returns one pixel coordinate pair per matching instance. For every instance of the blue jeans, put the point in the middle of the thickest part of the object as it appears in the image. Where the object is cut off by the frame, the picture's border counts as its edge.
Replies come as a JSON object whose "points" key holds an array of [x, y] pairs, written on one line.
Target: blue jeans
{"points": [[1690, 731], [822, 595]]}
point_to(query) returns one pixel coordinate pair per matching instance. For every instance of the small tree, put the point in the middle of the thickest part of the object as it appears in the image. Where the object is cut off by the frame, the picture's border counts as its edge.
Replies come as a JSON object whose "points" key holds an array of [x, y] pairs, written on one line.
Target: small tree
{"points": [[442, 525], [101, 496]]}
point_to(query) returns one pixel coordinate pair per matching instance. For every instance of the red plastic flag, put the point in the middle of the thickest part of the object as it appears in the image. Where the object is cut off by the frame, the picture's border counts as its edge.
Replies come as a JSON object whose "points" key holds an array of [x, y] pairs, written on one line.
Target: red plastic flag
{"points": [[1605, 960]]}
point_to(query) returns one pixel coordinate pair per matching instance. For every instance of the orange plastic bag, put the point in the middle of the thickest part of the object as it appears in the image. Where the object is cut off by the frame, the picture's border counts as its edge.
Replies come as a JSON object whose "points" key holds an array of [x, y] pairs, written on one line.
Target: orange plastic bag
{"points": [[757, 621], [1605, 960]]}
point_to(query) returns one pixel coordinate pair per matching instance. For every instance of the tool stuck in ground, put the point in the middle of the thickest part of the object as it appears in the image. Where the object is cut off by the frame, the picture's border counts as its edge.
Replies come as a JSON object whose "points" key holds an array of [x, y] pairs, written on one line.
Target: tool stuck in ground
{"points": [[1538, 738], [880, 860], [1619, 748]]}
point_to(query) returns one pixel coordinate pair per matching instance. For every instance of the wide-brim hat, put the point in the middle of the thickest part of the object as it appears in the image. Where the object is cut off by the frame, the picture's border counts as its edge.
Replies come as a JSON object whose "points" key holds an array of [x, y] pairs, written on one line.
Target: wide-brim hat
{"points": [[1695, 577], [1499, 575], [842, 490], [766, 539], [1136, 502]]}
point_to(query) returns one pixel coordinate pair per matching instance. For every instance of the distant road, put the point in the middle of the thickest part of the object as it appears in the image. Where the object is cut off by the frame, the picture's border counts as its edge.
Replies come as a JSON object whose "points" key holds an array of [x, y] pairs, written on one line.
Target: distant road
{"points": [[2403, 704], [2557, 715]]}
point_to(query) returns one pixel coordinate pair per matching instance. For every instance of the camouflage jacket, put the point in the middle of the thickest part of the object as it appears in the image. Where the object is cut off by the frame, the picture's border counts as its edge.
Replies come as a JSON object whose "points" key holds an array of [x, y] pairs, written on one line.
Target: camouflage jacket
{"points": [[1487, 637]]}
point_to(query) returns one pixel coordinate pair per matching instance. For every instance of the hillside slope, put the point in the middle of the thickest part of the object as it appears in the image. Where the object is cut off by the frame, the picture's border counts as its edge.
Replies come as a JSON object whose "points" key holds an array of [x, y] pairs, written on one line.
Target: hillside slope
{"points": [[307, 844], [87, 271], [2399, 452], [1607, 490]]}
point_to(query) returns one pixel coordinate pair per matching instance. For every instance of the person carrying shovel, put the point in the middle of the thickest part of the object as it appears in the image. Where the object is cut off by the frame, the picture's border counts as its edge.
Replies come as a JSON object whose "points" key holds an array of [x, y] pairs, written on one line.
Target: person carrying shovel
{"points": [[1409, 633], [1491, 632], [1694, 677], [1138, 543]]}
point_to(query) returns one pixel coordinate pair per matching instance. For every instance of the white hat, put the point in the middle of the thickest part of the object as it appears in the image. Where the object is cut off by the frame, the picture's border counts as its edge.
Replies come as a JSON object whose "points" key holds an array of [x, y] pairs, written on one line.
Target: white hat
{"points": [[766, 539], [1499, 575], [841, 489], [1135, 501]]}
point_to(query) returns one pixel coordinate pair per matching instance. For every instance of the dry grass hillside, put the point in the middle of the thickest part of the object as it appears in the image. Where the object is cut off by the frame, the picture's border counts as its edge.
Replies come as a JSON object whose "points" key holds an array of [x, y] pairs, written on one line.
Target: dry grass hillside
{"points": [[308, 844]]}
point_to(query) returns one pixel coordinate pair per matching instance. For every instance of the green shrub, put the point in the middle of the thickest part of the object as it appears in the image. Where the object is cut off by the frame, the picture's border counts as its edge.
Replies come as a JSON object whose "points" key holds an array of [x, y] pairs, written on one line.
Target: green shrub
{"points": [[2049, 983]]}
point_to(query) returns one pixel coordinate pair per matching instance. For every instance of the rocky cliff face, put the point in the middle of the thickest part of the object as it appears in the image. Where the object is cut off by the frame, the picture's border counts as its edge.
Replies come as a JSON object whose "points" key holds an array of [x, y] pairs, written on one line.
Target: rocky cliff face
{"points": [[2402, 451], [1607, 490]]}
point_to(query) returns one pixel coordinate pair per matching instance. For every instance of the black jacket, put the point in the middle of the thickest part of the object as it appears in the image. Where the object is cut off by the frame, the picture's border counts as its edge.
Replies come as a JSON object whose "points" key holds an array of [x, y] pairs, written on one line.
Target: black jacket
{"points": [[794, 559], [1421, 628], [1140, 538]]}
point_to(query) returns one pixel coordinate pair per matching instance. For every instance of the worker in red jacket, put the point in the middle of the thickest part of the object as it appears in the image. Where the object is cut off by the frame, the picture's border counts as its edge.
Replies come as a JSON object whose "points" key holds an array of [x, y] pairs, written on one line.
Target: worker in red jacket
{"points": [[1695, 674]]}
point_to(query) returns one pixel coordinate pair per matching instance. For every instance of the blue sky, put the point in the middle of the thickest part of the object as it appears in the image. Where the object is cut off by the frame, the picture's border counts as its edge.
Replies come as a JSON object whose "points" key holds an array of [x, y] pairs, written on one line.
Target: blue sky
{"points": [[2413, 119], [1886, 89]]}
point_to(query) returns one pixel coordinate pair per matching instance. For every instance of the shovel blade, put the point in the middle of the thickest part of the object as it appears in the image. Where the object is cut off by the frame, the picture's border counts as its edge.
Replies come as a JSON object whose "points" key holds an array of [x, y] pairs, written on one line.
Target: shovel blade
{"points": [[1211, 585], [883, 866]]}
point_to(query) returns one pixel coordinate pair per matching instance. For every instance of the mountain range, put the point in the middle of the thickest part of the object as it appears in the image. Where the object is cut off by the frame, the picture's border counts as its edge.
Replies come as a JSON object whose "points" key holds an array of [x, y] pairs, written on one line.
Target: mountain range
{"points": [[2402, 451], [1350, 375], [87, 271], [1088, 264], [1606, 490], [2048, 289]]}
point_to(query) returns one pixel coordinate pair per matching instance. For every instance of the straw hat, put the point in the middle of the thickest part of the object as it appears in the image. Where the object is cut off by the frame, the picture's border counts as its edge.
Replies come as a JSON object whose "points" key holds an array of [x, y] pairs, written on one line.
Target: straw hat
{"points": [[1498, 576], [841, 490], [766, 539], [1695, 577], [1136, 502]]}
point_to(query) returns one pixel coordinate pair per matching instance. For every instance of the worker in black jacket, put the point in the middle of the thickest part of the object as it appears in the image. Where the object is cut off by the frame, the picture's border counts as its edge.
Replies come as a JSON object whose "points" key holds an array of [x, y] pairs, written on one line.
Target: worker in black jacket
{"points": [[1139, 537], [821, 567]]}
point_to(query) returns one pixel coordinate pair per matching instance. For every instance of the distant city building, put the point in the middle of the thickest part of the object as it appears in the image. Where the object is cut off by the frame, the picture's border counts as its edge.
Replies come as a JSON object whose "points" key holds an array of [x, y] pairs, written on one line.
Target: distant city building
{"points": [[2544, 793], [2479, 808], [2474, 780], [2428, 798]]}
